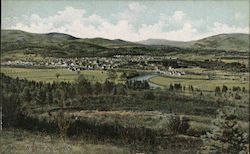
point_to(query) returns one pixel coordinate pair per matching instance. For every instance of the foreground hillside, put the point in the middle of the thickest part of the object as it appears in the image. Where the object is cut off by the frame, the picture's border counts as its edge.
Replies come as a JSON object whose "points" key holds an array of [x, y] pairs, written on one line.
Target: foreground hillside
{"points": [[22, 142], [129, 115]]}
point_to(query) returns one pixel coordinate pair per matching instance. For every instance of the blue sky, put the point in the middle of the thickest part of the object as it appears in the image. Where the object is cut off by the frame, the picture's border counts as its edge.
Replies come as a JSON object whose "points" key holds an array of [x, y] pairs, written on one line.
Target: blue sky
{"points": [[128, 20]]}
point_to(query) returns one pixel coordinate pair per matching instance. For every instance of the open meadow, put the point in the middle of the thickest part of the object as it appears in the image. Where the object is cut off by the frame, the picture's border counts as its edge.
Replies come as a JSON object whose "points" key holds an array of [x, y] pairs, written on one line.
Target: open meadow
{"points": [[200, 83], [49, 74]]}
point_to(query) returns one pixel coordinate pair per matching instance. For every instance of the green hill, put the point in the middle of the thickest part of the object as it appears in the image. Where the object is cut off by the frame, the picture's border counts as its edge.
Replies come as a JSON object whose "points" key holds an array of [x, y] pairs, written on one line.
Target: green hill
{"points": [[161, 42], [57, 44], [51, 44], [62, 36], [236, 41], [63, 45], [110, 43], [16, 42]]}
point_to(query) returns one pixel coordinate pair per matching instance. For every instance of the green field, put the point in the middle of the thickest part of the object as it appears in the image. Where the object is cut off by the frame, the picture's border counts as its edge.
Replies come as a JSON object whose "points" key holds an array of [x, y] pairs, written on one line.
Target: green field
{"points": [[18, 55], [49, 75], [202, 84]]}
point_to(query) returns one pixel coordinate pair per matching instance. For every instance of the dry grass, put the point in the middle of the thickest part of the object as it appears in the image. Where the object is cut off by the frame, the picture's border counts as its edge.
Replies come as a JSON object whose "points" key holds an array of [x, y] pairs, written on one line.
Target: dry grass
{"points": [[23, 142]]}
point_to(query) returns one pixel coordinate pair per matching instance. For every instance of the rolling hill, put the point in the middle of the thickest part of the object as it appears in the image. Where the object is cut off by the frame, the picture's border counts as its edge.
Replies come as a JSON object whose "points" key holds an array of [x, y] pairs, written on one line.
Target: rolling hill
{"points": [[110, 43], [62, 36], [236, 41], [64, 45], [51, 44], [161, 42], [57, 44]]}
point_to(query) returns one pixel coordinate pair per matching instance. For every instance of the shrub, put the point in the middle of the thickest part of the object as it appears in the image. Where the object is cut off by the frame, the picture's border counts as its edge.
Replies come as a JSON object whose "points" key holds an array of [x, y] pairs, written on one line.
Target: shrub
{"points": [[178, 125], [224, 89], [237, 96], [226, 136], [149, 95]]}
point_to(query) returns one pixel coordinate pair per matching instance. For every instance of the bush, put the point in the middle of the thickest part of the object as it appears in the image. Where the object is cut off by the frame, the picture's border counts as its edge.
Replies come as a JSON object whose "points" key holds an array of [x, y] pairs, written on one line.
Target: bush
{"points": [[226, 135], [178, 125], [149, 95], [237, 96], [224, 88]]}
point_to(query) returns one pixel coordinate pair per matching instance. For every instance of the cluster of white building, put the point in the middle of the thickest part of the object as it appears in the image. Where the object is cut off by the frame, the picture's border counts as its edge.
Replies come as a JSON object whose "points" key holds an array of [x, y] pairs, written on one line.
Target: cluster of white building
{"points": [[171, 71]]}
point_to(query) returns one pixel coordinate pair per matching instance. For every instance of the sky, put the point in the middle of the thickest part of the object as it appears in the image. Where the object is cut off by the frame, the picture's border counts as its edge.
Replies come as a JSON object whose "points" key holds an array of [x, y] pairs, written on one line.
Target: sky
{"points": [[128, 20]]}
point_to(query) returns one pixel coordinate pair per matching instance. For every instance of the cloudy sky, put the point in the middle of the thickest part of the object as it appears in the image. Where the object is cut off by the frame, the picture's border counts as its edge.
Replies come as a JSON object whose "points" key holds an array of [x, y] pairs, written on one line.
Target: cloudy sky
{"points": [[128, 20]]}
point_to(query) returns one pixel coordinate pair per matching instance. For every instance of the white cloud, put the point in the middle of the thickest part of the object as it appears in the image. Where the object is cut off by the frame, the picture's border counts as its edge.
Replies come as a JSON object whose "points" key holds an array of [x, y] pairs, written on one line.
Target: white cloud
{"points": [[178, 15], [76, 22], [224, 28], [136, 7], [8, 21], [185, 33], [131, 14], [238, 16]]}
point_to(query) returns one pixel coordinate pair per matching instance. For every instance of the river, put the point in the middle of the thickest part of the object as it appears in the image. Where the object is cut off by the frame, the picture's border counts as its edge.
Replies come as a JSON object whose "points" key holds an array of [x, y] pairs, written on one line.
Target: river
{"points": [[146, 77]]}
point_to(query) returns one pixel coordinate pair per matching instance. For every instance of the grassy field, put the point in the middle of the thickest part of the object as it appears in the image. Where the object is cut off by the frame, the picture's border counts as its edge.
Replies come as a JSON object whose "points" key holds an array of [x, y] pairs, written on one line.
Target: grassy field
{"points": [[23, 142], [17, 55], [49, 75], [193, 57], [198, 83], [149, 119]]}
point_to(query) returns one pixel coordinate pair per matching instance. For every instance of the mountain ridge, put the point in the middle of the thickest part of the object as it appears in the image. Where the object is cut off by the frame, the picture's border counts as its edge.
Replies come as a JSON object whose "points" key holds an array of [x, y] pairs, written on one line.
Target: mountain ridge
{"points": [[64, 45], [225, 41]]}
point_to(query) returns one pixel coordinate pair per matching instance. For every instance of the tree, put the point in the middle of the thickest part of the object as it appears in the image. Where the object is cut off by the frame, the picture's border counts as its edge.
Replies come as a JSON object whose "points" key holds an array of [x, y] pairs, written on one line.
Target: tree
{"points": [[146, 84], [26, 95], [178, 124], [191, 88], [11, 109], [107, 87], [177, 86], [224, 89], [121, 89], [149, 95], [63, 121], [171, 87], [217, 89], [78, 72], [97, 88], [41, 96], [243, 89], [57, 76], [83, 86], [226, 137], [50, 97], [237, 96]]}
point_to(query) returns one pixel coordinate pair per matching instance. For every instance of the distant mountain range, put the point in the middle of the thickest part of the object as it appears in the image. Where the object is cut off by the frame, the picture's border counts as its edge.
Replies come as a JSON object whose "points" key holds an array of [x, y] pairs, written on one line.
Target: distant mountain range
{"points": [[18, 35], [235, 41], [64, 45], [58, 44]]}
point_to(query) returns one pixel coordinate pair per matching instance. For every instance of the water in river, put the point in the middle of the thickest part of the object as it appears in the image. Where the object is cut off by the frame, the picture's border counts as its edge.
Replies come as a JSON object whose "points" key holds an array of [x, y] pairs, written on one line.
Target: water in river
{"points": [[146, 77]]}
